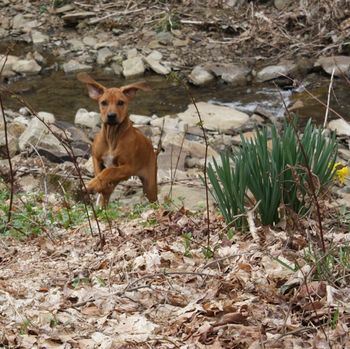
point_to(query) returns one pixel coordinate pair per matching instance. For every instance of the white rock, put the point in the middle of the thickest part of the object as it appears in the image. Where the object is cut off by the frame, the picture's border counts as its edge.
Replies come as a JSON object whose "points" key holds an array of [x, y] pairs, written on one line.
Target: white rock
{"points": [[89, 41], [133, 67], [132, 53], [29, 67], [156, 66], [341, 127], [200, 76], [39, 38], [86, 118], [156, 55], [218, 118], [24, 111], [74, 66], [340, 64], [275, 71], [48, 118], [140, 119], [21, 120], [76, 45]]}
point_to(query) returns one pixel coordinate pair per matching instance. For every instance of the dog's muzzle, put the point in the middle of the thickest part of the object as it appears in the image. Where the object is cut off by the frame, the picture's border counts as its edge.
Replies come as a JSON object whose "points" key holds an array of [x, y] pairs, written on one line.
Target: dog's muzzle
{"points": [[112, 119]]}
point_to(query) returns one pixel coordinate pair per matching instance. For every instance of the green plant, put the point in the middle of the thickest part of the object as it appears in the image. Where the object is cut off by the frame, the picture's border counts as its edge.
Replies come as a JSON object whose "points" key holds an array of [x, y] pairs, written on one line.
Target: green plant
{"points": [[273, 173], [169, 22], [187, 239], [229, 186]]}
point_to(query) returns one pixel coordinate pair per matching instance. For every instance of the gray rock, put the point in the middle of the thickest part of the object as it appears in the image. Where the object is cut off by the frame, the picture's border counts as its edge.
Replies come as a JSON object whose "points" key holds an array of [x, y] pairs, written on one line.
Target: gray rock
{"points": [[200, 76], [132, 53], [117, 68], [218, 118], [340, 64], [64, 9], [156, 66], [90, 41], [275, 71], [24, 111], [74, 66], [155, 55], [103, 56], [340, 126], [76, 45], [37, 135], [3, 33], [86, 118], [8, 67], [165, 38], [20, 22], [15, 129], [38, 57], [171, 123], [75, 17], [133, 67], [282, 4], [12, 145], [39, 38], [29, 67], [230, 73]]}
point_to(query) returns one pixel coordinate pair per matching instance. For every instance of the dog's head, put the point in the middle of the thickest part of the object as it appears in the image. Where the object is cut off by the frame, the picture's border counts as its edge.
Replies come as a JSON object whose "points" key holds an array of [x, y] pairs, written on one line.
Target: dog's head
{"points": [[113, 102]]}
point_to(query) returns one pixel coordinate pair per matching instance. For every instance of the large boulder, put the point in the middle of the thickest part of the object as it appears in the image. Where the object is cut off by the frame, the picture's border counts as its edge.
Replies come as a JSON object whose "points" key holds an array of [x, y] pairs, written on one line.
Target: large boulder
{"points": [[276, 71], [215, 118], [12, 145], [230, 73]]}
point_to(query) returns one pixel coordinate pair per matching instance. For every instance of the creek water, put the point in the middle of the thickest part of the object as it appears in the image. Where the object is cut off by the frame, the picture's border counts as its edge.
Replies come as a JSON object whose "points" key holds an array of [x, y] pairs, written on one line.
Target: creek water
{"points": [[62, 94]]}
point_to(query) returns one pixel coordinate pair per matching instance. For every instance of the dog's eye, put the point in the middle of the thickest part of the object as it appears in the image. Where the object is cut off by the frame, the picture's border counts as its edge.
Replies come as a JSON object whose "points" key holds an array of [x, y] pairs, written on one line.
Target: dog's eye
{"points": [[104, 103], [120, 103]]}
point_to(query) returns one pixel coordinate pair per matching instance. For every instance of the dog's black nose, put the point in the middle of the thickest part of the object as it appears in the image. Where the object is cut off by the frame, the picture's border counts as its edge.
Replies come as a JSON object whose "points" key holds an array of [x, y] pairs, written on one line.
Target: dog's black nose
{"points": [[112, 118]]}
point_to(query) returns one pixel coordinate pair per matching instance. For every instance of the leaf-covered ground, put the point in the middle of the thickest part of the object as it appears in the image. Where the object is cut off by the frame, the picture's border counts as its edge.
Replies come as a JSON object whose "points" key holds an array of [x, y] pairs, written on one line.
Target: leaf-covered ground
{"points": [[151, 286]]}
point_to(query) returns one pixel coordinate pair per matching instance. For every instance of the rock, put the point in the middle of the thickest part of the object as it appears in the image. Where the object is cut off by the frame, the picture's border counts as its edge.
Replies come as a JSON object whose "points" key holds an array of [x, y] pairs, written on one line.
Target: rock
{"points": [[230, 73], [117, 68], [344, 154], [103, 55], [218, 118], [340, 126], [10, 61], [90, 41], [89, 166], [282, 4], [132, 53], [15, 129], [37, 135], [64, 9], [156, 66], [275, 71], [73, 18], [173, 156], [48, 118], [38, 57], [188, 196], [76, 45], [164, 38], [3, 33], [20, 22], [29, 67], [155, 55], [86, 118], [171, 123], [28, 183], [250, 135], [140, 119], [24, 111], [39, 38], [12, 145], [74, 66], [200, 76], [133, 67], [340, 64], [181, 43]]}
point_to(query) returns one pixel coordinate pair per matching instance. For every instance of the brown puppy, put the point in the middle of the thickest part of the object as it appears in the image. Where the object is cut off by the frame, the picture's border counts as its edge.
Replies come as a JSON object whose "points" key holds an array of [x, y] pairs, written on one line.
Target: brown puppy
{"points": [[119, 150]]}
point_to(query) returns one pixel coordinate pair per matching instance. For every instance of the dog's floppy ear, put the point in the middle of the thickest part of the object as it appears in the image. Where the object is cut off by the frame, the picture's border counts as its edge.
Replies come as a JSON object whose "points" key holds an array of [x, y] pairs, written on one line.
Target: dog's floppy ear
{"points": [[94, 88], [130, 90]]}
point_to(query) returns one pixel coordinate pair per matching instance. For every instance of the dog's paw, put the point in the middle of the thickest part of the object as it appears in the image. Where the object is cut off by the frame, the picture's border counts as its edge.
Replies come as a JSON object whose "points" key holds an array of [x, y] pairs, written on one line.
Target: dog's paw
{"points": [[96, 185]]}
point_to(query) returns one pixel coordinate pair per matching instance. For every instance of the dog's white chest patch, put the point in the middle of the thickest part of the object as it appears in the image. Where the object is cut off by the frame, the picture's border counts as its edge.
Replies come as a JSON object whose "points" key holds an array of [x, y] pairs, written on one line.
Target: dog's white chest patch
{"points": [[108, 160]]}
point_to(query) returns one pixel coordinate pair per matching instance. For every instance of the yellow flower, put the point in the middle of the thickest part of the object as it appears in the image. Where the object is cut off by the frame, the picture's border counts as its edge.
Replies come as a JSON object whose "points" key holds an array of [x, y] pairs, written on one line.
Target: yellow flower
{"points": [[341, 172]]}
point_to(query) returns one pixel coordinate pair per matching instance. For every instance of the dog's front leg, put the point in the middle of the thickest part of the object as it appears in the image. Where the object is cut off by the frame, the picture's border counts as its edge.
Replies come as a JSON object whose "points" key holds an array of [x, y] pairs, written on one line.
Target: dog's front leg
{"points": [[105, 181]]}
